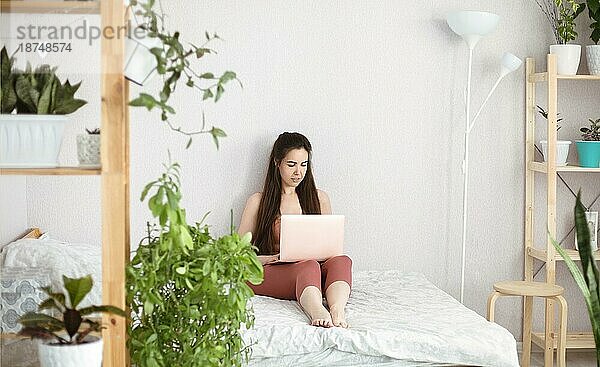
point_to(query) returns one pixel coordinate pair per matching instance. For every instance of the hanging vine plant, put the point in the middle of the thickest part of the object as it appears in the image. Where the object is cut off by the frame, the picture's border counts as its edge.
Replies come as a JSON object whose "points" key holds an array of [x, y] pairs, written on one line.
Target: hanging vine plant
{"points": [[174, 65]]}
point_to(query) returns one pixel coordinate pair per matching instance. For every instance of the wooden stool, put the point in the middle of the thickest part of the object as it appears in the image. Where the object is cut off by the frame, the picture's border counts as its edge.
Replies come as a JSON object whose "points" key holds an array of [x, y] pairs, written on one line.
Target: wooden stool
{"points": [[528, 290]]}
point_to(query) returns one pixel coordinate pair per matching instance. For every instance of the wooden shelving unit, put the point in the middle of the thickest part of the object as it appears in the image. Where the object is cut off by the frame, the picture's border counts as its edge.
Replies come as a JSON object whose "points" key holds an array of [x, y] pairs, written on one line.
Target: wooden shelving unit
{"points": [[547, 254], [58, 171], [43, 7], [114, 158]]}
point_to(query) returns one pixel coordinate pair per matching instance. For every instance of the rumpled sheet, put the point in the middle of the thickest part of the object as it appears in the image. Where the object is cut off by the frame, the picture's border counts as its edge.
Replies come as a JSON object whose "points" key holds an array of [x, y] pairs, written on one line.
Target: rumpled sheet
{"points": [[391, 314], [71, 259]]}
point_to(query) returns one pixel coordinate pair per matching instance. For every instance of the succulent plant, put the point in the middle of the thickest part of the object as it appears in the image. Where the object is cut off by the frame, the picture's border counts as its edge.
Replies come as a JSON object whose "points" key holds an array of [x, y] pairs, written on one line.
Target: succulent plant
{"points": [[591, 133], [36, 91]]}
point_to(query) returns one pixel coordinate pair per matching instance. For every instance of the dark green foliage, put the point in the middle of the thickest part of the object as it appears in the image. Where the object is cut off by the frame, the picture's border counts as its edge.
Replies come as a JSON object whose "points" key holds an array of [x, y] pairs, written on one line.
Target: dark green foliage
{"points": [[36, 91], [591, 133], [187, 290], [174, 62], [42, 326], [588, 278], [594, 13]]}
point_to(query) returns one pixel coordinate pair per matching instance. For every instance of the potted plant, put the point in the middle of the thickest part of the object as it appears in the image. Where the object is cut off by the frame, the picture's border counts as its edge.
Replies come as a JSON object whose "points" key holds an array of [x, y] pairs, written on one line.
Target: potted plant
{"points": [[68, 341], [589, 147], [561, 14], [88, 148], [186, 288], [588, 278], [593, 51], [154, 47], [34, 105], [562, 146]]}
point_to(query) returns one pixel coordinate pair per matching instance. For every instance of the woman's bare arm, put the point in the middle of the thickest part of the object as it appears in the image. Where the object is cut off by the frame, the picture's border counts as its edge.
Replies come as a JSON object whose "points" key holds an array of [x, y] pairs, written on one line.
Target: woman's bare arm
{"points": [[249, 217], [325, 203]]}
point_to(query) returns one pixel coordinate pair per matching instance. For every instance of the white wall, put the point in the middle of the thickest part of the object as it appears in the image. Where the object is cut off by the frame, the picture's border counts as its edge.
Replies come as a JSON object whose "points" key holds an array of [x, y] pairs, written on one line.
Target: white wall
{"points": [[378, 88], [13, 208]]}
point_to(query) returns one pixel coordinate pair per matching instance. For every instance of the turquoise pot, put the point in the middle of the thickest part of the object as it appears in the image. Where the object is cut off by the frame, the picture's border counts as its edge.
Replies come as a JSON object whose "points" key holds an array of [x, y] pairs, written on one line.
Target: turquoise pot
{"points": [[589, 153]]}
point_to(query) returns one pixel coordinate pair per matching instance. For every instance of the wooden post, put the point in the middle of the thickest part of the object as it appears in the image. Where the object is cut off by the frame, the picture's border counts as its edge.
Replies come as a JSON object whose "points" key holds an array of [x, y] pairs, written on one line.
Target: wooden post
{"points": [[551, 202], [115, 179]]}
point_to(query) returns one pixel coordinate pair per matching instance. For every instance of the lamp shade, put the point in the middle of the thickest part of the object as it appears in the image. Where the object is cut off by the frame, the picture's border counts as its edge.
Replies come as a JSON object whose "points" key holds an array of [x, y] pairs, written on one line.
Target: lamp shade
{"points": [[472, 25], [510, 63]]}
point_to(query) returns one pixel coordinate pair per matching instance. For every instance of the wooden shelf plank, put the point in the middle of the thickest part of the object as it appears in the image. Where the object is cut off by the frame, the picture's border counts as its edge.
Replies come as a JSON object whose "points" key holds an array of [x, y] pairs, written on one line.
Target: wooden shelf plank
{"points": [[58, 171], [58, 7], [573, 254], [579, 77], [575, 340], [543, 168], [538, 77]]}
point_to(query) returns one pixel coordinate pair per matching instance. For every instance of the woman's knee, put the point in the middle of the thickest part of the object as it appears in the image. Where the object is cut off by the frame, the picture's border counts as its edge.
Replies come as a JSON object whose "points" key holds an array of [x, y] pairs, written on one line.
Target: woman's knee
{"points": [[309, 266], [342, 260]]}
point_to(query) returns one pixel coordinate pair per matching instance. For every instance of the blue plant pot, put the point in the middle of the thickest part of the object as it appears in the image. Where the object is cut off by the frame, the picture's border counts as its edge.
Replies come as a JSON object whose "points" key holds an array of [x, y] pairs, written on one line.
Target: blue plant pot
{"points": [[589, 153]]}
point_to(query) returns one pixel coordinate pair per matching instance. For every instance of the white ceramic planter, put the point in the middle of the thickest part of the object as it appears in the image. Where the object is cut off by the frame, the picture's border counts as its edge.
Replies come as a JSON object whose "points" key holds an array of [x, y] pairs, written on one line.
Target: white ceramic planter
{"points": [[88, 150], [139, 62], [88, 354], [567, 58], [30, 140], [562, 151], [592, 53]]}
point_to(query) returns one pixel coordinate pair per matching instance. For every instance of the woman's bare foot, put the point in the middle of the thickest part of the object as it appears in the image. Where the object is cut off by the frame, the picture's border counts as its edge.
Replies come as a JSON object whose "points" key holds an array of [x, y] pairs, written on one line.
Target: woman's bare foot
{"points": [[320, 317], [338, 316], [311, 301]]}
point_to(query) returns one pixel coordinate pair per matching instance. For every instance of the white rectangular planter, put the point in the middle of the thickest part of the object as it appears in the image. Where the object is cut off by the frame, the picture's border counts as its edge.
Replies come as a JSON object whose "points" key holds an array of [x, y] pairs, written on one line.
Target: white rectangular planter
{"points": [[28, 141]]}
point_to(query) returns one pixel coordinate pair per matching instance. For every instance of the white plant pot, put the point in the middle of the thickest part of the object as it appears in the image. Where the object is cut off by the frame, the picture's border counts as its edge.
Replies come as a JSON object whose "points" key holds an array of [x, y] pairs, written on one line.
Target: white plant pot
{"points": [[87, 354], [567, 58], [592, 53], [140, 63], [30, 140], [88, 150], [562, 151]]}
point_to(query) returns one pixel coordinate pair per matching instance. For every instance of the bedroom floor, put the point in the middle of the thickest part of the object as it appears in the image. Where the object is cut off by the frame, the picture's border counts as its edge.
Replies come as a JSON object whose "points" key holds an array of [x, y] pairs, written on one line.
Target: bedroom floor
{"points": [[575, 358]]}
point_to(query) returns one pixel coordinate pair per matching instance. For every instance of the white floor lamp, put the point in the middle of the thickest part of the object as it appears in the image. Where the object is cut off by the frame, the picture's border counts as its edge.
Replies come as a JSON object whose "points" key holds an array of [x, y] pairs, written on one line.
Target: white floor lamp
{"points": [[472, 26]]}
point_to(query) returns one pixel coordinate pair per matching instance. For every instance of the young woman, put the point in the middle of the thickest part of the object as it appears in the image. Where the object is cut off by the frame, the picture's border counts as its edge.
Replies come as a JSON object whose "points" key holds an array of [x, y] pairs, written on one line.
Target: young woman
{"points": [[290, 189]]}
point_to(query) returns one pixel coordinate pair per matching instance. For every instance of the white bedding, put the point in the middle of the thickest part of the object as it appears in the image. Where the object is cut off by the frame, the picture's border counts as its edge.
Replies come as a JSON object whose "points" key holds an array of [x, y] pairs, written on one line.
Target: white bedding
{"points": [[392, 315], [71, 259]]}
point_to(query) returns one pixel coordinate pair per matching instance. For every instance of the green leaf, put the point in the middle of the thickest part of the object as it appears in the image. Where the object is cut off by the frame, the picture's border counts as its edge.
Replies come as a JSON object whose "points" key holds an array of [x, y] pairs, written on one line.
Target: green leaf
{"points": [[32, 319], [220, 91], [77, 288], [102, 309], [227, 76], [207, 76], [144, 100], [207, 94]]}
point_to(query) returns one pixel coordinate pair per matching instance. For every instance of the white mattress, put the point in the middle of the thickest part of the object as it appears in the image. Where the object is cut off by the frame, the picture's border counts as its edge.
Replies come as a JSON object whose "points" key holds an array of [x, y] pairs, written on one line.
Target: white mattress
{"points": [[396, 319]]}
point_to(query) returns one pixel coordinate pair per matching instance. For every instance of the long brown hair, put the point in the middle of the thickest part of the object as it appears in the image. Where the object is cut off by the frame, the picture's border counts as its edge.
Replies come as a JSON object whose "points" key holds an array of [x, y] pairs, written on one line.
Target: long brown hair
{"points": [[270, 201]]}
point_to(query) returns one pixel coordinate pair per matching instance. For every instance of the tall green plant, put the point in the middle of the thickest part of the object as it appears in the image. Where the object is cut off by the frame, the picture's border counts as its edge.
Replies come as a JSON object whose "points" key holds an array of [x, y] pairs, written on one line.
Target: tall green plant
{"points": [[187, 291], [561, 15], [594, 13], [588, 279]]}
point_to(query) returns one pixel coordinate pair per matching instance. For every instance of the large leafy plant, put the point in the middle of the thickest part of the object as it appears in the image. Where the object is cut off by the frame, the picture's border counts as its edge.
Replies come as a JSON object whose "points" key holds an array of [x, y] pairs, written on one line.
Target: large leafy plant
{"points": [[588, 278], [187, 291], [594, 13], [561, 14], [37, 91], [591, 133], [174, 62], [43, 326]]}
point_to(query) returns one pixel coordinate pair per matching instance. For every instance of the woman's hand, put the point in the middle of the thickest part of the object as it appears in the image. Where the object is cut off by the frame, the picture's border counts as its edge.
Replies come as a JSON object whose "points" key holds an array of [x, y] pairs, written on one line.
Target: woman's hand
{"points": [[268, 259]]}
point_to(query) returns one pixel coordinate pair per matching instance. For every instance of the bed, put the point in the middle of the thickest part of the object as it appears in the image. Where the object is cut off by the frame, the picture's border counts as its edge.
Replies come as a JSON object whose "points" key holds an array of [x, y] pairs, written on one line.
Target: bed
{"points": [[396, 319]]}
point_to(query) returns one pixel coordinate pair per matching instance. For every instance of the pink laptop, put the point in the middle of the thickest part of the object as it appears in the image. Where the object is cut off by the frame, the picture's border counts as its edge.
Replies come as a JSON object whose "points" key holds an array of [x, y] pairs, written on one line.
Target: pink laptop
{"points": [[311, 237]]}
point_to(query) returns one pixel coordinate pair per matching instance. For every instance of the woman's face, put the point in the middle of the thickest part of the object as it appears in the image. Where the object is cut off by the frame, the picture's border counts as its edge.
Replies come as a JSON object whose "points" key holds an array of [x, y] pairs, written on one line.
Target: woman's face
{"points": [[293, 166]]}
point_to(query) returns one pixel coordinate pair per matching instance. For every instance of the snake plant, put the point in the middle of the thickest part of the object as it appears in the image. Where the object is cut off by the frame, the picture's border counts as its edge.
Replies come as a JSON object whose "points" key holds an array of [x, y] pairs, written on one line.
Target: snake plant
{"points": [[588, 278]]}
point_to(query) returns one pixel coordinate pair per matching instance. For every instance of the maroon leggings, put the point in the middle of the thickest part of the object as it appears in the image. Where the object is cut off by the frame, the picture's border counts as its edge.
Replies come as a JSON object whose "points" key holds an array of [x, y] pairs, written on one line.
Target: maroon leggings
{"points": [[288, 280]]}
